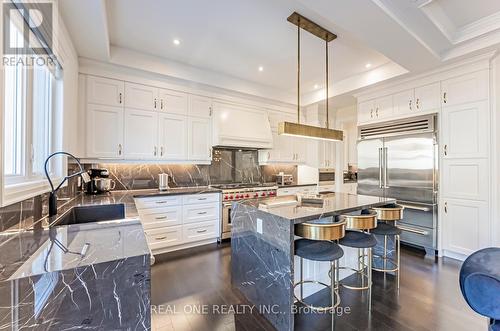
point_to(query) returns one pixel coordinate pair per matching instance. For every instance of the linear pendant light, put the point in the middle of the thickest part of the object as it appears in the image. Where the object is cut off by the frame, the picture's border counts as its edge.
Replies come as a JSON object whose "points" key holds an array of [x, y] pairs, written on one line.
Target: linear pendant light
{"points": [[302, 130]]}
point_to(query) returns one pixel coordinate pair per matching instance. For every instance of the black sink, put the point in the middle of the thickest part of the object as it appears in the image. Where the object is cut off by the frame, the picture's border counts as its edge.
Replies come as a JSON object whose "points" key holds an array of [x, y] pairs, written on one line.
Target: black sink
{"points": [[89, 214]]}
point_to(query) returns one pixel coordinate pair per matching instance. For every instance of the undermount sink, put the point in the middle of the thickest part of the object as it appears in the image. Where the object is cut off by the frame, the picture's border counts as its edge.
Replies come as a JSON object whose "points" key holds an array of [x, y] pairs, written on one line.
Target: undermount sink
{"points": [[89, 214]]}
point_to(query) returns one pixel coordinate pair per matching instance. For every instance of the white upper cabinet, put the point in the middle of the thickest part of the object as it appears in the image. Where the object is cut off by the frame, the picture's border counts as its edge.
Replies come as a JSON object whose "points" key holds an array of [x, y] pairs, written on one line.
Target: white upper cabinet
{"points": [[465, 130], [172, 133], [365, 111], [104, 131], [105, 91], [173, 102], [404, 102], [466, 88], [427, 98], [383, 107], [199, 139], [200, 106], [140, 96], [141, 134]]}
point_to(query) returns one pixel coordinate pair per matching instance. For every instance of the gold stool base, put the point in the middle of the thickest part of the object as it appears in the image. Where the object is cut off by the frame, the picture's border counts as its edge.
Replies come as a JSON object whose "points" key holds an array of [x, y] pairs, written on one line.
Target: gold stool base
{"points": [[316, 308]]}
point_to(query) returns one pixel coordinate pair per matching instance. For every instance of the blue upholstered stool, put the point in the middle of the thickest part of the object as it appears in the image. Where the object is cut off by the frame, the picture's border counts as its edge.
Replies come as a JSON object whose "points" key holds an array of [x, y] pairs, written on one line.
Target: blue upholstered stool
{"points": [[358, 236], [480, 284], [318, 245], [388, 216]]}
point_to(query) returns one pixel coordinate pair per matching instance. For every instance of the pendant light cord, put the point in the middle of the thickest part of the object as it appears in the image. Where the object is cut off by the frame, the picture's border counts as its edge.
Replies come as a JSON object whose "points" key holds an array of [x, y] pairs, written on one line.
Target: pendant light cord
{"points": [[327, 120], [298, 72]]}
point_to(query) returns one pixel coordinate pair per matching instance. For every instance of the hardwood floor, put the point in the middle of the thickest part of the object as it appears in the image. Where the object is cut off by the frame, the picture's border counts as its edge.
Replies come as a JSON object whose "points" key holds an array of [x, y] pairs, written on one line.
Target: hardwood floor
{"points": [[191, 290]]}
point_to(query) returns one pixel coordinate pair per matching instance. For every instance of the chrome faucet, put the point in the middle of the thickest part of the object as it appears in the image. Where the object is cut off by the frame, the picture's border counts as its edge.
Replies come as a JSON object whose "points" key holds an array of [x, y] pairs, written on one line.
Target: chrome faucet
{"points": [[53, 194]]}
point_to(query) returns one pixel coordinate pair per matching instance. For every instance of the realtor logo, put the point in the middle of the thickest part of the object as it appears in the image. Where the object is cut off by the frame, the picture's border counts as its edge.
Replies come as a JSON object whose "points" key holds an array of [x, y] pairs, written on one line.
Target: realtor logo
{"points": [[27, 16]]}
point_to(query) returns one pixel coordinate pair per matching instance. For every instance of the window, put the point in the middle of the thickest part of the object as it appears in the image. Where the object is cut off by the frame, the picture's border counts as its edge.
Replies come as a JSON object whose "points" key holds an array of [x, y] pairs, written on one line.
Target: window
{"points": [[28, 135]]}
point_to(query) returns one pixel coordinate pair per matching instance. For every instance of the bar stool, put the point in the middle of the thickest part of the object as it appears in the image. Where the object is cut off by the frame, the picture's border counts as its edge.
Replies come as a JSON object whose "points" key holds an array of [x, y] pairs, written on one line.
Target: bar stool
{"points": [[317, 244], [358, 236], [388, 216]]}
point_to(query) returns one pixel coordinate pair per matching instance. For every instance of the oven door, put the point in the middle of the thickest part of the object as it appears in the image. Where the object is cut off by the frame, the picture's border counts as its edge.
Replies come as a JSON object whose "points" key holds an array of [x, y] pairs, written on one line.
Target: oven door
{"points": [[226, 221]]}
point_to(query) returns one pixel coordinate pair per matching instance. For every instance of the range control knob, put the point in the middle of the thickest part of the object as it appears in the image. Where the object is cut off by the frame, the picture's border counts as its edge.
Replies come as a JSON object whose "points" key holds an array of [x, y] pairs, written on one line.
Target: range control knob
{"points": [[225, 197], [263, 194], [247, 195], [231, 197], [256, 195]]}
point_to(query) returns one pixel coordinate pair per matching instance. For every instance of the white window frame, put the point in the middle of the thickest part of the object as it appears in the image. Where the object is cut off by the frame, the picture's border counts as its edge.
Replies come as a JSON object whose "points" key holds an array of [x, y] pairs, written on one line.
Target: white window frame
{"points": [[13, 191]]}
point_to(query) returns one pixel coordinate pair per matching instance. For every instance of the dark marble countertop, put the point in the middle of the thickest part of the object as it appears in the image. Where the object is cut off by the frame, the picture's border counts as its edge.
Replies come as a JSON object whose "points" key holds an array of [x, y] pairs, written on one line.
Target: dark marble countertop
{"points": [[289, 208]]}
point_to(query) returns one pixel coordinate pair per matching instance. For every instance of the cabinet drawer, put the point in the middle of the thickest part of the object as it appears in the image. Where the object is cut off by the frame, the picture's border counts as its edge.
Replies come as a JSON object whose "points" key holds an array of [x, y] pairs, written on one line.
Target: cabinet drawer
{"points": [[164, 237], [158, 202], [200, 198], [161, 217], [417, 235], [199, 231], [287, 191], [200, 212]]}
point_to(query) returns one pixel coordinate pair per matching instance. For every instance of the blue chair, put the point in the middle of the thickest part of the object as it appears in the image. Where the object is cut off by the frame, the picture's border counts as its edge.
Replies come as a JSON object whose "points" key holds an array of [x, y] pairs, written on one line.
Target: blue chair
{"points": [[480, 284]]}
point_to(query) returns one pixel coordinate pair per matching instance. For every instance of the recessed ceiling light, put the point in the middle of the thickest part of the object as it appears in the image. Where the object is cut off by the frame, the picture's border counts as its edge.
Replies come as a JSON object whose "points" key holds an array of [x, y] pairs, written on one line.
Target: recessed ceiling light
{"points": [[177, 42], [368, 65], [316, 86], [261, 68]]}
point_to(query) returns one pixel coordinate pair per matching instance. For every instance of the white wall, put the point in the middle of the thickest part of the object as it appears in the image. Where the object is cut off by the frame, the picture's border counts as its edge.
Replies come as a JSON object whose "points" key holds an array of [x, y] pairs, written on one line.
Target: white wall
{"points": [[495, 104]]}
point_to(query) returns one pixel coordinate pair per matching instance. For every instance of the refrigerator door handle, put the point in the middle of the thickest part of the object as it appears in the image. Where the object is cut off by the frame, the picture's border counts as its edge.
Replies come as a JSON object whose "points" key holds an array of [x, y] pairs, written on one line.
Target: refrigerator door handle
{"points": [[380, 167], [385, 167]]}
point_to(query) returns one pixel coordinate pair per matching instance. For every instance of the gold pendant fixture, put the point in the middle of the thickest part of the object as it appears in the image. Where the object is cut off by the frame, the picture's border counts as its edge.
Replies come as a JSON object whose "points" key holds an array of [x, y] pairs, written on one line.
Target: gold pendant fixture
{"points": [[302, 130]]}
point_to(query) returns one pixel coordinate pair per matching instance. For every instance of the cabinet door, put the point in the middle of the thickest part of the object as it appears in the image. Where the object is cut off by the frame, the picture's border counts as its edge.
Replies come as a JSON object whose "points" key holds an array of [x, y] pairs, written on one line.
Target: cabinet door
{"points": [[173, 102], [465, 225], [365, 111], [300, 150], [140, 96], [466, 88], [199, 139], [105, 91], [465, 130], [173, 131], [427, 98], [403, 102], [200, 106], [271, 155], [141, 134], [384, 107], [104, 131], [286, 149], [465, 179]]}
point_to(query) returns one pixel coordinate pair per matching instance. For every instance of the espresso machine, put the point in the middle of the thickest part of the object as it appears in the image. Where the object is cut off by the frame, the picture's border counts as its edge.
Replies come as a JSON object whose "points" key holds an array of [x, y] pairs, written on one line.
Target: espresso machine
{"points": [[99, 181]]}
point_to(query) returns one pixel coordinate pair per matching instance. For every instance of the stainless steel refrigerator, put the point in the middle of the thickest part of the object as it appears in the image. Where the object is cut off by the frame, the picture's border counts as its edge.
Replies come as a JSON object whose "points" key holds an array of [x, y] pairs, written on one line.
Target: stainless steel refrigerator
{"points": [[399, 159]]}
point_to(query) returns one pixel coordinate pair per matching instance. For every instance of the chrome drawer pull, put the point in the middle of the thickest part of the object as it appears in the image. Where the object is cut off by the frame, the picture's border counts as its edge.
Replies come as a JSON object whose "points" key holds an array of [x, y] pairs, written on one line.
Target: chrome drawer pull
{"points": [[202, 213], [161, 238], [161, 202], [422, 233], [201, 199], [201, 231], [415, 207], [161, 218]]}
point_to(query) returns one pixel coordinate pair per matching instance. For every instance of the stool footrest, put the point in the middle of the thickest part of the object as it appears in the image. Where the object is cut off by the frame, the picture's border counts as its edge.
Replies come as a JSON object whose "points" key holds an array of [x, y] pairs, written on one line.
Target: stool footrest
{"points": [[316, 308]]}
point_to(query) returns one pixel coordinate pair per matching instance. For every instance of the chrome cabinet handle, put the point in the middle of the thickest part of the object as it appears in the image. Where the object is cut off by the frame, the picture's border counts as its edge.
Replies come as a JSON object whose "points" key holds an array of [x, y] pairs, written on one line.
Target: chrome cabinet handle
{"points": [[161, 238], [414, 207], [155, 104], [376, 112], [119, 149], [161, 202], [202, 199], [412, 230], [155, 151], [409, 105], [202, 213], [418, 103], [444, 98], [445, 150], [446, 207], [161, 103], [201, 231], [209, 152], [120, 97], [161, 151], [385, 167], [371, 113], [161, 218], [209, 111], [380, 167]]}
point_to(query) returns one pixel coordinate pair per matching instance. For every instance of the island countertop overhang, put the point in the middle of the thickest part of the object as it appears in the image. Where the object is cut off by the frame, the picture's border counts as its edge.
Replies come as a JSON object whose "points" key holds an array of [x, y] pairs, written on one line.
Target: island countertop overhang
{"points": [[289, 208]]}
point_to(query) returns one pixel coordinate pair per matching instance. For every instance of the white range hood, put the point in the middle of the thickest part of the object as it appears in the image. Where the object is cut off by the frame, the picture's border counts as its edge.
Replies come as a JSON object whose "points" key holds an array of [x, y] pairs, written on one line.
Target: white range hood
{"points": [[241, 127]]}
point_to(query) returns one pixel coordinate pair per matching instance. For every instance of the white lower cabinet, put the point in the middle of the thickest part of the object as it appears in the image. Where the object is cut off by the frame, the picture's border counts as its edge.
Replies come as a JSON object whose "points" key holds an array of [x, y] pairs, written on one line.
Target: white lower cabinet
{"points": [[308, 189], [175, 222], [466, 226]]}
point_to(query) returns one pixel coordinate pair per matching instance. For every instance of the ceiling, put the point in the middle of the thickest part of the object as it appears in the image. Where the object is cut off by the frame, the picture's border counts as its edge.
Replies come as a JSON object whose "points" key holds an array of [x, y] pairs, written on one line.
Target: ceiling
{"points": [[226, 41]]}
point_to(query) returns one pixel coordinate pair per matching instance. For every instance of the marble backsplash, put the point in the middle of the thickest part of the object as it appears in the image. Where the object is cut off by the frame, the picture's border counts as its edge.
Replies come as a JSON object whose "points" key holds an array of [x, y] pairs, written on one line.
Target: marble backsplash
{"points": [[228, 166]]}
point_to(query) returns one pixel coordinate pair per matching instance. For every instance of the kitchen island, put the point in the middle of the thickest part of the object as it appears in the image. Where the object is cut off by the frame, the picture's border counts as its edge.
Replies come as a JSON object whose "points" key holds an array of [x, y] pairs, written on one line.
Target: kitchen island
{"points": [[262, 247]]}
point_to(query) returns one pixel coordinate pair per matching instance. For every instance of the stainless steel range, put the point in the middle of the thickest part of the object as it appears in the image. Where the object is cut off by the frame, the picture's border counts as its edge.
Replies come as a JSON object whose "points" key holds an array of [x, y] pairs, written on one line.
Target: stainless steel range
{"points": [[239, 192]]}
